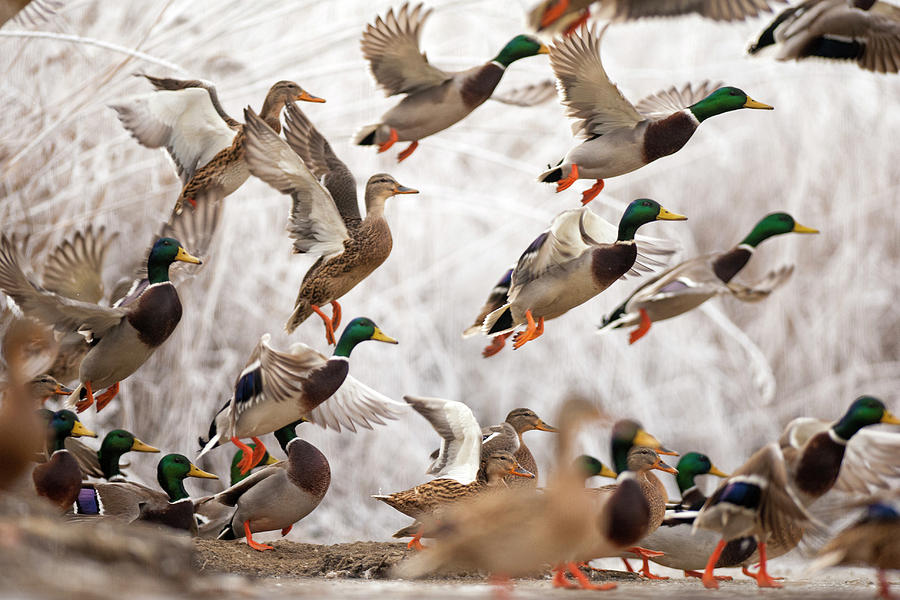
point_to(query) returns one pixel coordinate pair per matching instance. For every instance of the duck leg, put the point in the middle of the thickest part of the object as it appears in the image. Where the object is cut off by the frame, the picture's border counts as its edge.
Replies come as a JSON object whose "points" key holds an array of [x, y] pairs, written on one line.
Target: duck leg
{"points": [[566, 182], [533, 331], [699, 575], [763, 579], [286, 530], [245, 463], [104, 398], [646, 555], [709, 581], [496, 345], [85, 403], [250, 542], [258, 452], [335, 314], [628, 566], [416, 542], [503, 586], [554, 11], [329, 324], [642, 329], [584, 582], [592, 192], [559, 578], [390, 141], [884, 587], [409, 150]]}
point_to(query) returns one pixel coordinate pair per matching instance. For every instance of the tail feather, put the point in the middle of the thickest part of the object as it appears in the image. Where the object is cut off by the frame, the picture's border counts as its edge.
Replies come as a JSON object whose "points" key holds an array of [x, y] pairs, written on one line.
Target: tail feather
{"points": [[551, 176], [212, 443], [365, 135], [499, 321], [302, 311], [227, 533], [74, 397]]}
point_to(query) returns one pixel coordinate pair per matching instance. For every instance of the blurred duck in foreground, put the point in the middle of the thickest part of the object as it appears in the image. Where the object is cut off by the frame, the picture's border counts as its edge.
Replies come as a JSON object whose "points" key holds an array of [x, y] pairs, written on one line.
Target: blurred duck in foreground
{"points": [[206, 145], [324, 218], [277, 496], [621, 137], [687, 285], [865, 31], [435, 99], [59, 479], [124, 337], [275, 388], [578, 257]]}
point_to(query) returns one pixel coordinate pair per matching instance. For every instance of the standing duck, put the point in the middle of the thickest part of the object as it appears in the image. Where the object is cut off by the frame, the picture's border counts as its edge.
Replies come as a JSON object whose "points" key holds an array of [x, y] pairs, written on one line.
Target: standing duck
{"points": [[324, 219], [206, 145], [621, 137], [578, 257], [129, 501], [687, 285], [277, 496], [865, 31], [125, 337], [275, 388], [522, 420], [59, 479], [435, 99]]}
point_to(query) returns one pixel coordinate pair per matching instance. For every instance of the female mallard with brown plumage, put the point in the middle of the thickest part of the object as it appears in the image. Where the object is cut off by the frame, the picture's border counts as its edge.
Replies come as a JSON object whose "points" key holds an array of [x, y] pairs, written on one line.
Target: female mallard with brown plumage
{"points": [[277, 496], [275, 388], [621, 137], [689, 284], [522, 420], [129, 501], [435, 99], [125, 337], [59, 479], [324, 219], [206, 145]]}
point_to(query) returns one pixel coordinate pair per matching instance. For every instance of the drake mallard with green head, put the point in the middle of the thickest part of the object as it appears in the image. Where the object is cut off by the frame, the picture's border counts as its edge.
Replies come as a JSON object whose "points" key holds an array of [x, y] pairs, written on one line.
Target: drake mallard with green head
{"points": [[435, 99], [324, 218], [129, 501], [689, 284], [621, 137], [206, 145], [276, 387], [578, 257], [124, 337], [59, 479], [105, 462]]}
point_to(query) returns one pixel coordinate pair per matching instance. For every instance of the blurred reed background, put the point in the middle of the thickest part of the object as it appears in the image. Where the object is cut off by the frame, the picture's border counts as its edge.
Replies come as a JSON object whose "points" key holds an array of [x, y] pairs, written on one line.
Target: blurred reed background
{"points": [[722, 380]]}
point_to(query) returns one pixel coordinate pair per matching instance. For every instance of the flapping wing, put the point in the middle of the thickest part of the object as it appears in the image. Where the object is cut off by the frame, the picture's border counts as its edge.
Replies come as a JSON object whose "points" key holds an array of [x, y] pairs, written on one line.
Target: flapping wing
{"points": [[529, 95], [460, 454], [315, 224], [694, 276], [74, 268], [172, 84], [762, 288], [86, 457], [587, 92], [184, 122], [30, 13], [316, 153], [62, 313], [877, 31], [391, 46], [665, 102], [355, 404], [719, 10], [870, 462]]}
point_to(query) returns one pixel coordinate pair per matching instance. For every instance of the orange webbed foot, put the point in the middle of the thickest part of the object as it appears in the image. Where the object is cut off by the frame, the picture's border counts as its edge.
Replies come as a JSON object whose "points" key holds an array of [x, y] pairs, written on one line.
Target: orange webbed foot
{"points": [[708, 579], [646, 555], [246, 462], [392, 138], [699, 575], [104, 398], [533, 331], [560, 580], [496, 345], [258, 452], [335, 314], [642, 329], [409, 150], [85, 403], [592, 192], [566, 182], [250, 541], [286, 530], [416, 542], [329, 324], [584, 582]]}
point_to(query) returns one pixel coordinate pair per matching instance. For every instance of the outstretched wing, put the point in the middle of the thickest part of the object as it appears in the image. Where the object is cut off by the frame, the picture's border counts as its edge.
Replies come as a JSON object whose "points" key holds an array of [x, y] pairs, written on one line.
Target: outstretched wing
{"points": [[665, 102], [355, 404], [74, 268], [587, 92], [316, 153], [315, 224], [391, 46], [762, 288], [528, 95], [719, 10], [460, 453]]}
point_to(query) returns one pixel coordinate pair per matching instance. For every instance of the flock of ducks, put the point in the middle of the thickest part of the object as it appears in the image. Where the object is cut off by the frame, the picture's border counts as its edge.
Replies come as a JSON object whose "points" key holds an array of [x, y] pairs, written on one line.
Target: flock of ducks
{"points": [[482, 504]]}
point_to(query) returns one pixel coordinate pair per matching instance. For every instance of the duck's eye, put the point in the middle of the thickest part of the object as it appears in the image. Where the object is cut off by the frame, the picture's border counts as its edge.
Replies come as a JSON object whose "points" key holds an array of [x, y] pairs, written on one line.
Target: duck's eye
{"points": [[734, 93]]}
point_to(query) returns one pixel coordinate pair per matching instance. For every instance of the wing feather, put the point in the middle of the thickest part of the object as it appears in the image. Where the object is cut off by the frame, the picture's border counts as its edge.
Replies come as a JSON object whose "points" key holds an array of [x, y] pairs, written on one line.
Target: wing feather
{"points": [[460, 454], [74, 268], [355, 404]]}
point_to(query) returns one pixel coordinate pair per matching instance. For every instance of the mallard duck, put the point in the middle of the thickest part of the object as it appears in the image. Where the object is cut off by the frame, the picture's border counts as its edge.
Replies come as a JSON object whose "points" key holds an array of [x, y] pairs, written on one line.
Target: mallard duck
{"points": [[40, 388], [104, 463], [278, 496], [522, 420], [578, 257], [873, 540], [435, 99], [124, 337], [59, 479], [691, 283], [621, 137], [275, 388], [323, 220], [129, 501], [866, 31], [239, 458], [206, 145], [592, 467]]}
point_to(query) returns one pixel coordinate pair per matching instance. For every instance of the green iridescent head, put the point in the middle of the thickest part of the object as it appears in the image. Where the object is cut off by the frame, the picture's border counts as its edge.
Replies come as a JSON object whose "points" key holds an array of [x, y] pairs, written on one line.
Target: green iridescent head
{"points": [[359, 330], [691, 465], [171, 472], [640, 212], [521, 46], [775, 224], [591, 467], [864, 411], [724, 100], [163, 253], [627, 434], [63, 424]]}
